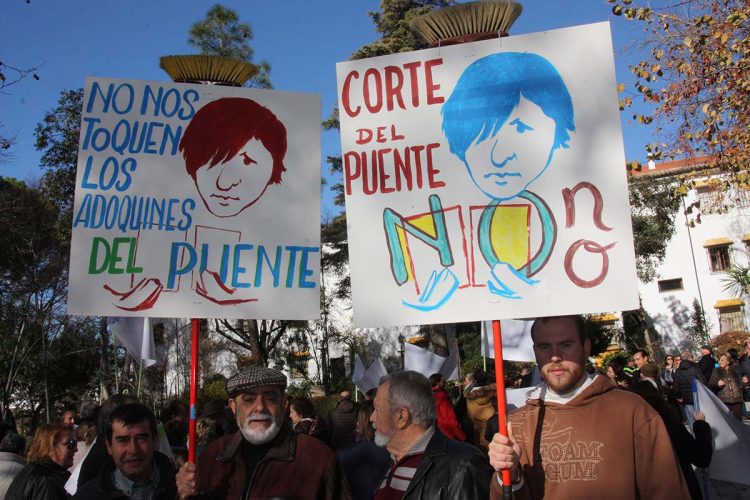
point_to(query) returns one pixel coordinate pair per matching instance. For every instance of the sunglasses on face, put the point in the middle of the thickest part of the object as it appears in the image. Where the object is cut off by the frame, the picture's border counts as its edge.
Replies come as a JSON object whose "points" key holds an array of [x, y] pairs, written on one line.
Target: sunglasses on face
{"points": [[70, 443], [669, 359]]}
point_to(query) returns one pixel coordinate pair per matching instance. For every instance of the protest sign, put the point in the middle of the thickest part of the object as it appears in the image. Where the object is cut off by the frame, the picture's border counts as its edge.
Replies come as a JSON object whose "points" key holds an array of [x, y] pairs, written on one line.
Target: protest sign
{"points": [[487, 181], [196, 201]]}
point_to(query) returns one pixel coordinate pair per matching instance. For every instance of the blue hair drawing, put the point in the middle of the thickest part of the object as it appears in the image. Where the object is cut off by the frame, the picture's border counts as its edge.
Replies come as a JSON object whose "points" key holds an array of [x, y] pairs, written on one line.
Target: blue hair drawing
{"points": [[490, 88]]}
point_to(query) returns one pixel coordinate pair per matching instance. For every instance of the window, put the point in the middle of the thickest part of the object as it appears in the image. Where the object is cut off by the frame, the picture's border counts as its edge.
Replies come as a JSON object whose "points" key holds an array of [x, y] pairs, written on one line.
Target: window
{"points": [[741, 198], [731, 319], [710, 199], [718, 257], [670, 285]]}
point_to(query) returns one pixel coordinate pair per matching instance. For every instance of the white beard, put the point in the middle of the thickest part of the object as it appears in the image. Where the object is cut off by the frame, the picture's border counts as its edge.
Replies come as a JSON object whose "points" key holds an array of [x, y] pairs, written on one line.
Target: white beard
{"points": [[258, 437], [382, 440]]}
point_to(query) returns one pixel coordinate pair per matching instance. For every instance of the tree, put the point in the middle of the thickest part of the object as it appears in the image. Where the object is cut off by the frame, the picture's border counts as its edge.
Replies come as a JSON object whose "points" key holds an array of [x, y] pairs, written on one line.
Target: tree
{"points": [[653, 207], [45, 354], [698, 330], [695, 80], [222, 34], [57, 139], [260, 337]]}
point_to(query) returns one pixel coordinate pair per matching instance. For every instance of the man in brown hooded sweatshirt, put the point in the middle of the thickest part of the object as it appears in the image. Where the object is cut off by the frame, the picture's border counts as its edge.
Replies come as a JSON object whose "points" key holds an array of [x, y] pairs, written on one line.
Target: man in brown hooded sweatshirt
{"points": [[578, 436]]}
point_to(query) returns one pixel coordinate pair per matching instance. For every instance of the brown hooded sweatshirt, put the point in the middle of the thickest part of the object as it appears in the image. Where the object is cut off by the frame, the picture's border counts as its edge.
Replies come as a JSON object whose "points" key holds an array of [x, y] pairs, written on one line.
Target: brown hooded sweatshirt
{"points": [[604, 443]]}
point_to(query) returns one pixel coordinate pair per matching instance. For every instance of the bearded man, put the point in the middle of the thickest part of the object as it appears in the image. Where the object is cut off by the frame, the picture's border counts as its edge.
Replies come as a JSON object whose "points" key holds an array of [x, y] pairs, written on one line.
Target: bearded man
{"points": [[579, 436], [264, 458], [424, 463]]}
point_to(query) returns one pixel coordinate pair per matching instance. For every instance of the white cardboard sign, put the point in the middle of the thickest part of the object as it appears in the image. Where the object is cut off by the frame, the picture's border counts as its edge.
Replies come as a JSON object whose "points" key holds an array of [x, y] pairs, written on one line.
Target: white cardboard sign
{"points": [[196, 201], [487, 181]]}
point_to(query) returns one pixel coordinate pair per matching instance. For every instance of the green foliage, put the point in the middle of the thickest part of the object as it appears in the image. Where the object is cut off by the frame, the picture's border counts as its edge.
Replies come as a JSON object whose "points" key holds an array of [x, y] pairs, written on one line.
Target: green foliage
{"points": [[300, 390], [599, 333], [214, 387], [634, 328], [736, 280], [653, 207], [222, 34], [698, 332], [392, 22], [469, 340], [57, 139]]}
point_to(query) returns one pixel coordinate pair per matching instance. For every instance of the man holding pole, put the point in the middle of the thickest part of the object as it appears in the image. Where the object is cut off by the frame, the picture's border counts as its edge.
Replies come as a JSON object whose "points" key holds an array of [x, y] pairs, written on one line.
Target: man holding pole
{"points": [[578, 436], [264, 459]]}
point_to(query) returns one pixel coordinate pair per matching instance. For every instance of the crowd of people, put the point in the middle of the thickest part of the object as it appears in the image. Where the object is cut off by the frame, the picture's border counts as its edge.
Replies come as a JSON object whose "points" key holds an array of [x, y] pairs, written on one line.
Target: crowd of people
{"points": [[629, 432]]}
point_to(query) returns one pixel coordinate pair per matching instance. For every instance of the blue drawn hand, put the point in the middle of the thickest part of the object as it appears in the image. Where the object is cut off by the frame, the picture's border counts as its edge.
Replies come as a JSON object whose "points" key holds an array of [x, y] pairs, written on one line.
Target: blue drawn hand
{"points": [[440, 287], [503, 272]]}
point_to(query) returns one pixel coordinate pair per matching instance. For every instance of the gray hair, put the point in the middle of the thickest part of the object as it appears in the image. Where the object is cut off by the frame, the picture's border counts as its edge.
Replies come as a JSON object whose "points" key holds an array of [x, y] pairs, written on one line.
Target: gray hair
{"points": [[412, 390]]}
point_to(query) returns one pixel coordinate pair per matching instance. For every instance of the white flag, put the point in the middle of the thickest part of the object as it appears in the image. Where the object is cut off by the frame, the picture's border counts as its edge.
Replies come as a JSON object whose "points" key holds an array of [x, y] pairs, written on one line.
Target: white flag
{"points": [[517, 343], [425, 362], [371, 377], [731, 458], [359, 369], [136, 335]]}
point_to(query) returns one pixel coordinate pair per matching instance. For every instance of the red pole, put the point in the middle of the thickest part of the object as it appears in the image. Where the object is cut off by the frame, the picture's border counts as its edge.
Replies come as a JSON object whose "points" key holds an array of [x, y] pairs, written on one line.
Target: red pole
{"points": [[501, 402], [193, 390]]}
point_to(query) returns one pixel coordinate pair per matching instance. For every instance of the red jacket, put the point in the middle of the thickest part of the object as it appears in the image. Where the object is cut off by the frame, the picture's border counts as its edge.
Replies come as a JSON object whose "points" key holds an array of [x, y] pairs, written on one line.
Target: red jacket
{"points": [[446, 417]]}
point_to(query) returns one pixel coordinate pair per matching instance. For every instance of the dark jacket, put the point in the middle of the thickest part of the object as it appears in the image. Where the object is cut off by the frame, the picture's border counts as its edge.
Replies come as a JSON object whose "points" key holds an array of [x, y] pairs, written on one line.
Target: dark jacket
{"points": [[691, 450], [683, 380], [450, 470], [706, 366], [731, 392], [43, 480], [93, 462], [365, 465], [317, 428], [102, 487], [343, 423], [744, 371], [296, 466]]}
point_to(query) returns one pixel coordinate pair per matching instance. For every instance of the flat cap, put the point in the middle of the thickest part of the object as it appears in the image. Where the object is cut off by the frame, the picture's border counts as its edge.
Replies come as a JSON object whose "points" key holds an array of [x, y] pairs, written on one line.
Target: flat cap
{"points": [[255, 376]]}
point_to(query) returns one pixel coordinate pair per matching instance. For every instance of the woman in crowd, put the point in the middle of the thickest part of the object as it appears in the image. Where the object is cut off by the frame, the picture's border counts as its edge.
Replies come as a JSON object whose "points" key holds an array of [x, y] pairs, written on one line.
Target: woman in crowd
{"points": [[305, 421], [479, 406], [668, 371], [616, 372], [364, 462], [691, 451], [725, 382], [49, 458]]}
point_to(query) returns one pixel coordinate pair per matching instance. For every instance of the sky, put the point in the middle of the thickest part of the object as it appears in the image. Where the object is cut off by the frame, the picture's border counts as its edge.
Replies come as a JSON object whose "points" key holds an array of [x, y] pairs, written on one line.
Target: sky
{"points": [[301, 39]]}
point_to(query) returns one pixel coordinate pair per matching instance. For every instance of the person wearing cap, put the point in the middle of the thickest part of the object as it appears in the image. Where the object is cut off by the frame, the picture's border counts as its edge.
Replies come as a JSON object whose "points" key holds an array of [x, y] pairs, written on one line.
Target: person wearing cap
{"points": [[264, 458], [707, 362]]}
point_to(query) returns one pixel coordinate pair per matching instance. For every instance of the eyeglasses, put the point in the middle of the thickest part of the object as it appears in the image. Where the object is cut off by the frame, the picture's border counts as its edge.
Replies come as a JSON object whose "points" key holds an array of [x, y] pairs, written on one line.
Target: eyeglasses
{"points": [[669, 359], [70, 443]]}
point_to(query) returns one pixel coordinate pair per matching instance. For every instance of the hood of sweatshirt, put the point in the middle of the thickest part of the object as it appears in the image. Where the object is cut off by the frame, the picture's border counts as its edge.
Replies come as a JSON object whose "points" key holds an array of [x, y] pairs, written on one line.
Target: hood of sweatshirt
{"points": [[482, 395], [598, 386]]}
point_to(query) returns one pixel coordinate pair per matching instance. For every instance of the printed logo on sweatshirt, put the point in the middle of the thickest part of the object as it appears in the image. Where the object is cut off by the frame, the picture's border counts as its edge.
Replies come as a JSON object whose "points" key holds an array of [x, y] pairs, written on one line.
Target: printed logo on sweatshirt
{"points": [[563, 458]]}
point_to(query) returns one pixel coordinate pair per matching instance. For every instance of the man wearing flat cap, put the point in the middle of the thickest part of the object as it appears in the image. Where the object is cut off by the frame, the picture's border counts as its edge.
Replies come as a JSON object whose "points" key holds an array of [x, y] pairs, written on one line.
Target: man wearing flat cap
{"points": [[264, 459]]}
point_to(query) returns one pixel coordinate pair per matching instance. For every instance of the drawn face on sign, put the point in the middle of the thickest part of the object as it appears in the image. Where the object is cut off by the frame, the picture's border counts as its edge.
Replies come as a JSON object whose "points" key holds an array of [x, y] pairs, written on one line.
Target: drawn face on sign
{"points": [[506, 117], [230, 187], [503, 166], [234, 149]]}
